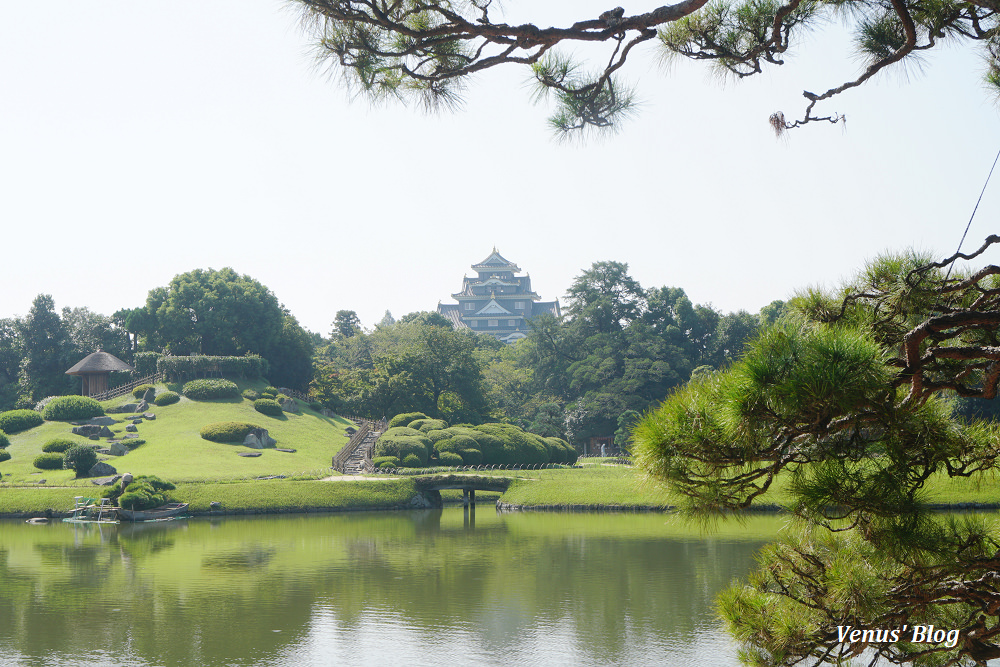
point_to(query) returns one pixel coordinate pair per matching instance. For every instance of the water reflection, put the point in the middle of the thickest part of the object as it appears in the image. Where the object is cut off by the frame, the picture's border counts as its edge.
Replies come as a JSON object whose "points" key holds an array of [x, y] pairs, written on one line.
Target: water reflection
{"points": [[370, 588]]}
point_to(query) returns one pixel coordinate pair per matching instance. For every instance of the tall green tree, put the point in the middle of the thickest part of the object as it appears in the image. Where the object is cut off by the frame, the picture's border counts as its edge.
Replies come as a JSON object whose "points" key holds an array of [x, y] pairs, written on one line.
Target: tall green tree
{"points": [[89, 331], [430, 49], [10, 364], [47, 351], [845, 403], [216, 313], [346, 324]]}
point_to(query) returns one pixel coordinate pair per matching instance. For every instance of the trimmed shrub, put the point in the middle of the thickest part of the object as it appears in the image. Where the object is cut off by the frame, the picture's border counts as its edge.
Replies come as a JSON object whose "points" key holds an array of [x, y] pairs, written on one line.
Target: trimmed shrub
{"points": [[58, 445], [438, 435], [80, 458], [401, 441], [133, 443], [141, 390], [145, 363], [456, 444], [405, 418], [166, 398], [560, 451], [4, 440], [412, 461], [182, 368], [266, 406], [227, 431], [268, 395], [450, 459], [69, 408], [316, 406], [206, 390], [472, 457], [4, 455], [51, 461], [251, 394], [518, 446], [425, 425], [385, 462], [271, 390], [15, 421], [143, 493]]}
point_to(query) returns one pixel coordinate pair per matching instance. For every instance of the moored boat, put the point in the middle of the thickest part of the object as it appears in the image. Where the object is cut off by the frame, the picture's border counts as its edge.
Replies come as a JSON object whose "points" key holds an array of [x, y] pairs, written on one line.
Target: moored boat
{"points": [[168, 511], [89, 510]]}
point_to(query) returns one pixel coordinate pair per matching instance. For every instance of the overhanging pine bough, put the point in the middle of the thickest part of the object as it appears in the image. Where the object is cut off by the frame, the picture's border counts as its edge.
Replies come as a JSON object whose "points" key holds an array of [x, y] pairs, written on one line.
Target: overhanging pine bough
{"points": [[844, 401], [425, 48]]}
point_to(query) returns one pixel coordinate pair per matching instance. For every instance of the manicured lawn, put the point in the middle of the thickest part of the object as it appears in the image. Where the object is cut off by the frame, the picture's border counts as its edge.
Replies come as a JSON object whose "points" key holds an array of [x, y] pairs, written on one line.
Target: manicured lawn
{"points": [[174, 450]]}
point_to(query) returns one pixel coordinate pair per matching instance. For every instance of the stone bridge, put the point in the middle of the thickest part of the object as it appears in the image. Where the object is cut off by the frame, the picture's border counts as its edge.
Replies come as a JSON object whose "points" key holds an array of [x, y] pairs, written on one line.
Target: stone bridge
{"points": [[431, 486]]}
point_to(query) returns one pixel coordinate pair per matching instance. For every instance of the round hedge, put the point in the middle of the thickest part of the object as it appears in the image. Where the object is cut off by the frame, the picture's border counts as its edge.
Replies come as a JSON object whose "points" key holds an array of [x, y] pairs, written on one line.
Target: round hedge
{"points": [[15, 421], [271, 390], [206, 390], [471, 457], [4, 440], [450, 459], [227, 431], [251, 394], [70, 408], [385, 462], [412, 461], [51, 461], [141, 390], [166, 398], [58, 445], [405, 418], [4, 455], [266, 406], [560, 451], [426, 425]]}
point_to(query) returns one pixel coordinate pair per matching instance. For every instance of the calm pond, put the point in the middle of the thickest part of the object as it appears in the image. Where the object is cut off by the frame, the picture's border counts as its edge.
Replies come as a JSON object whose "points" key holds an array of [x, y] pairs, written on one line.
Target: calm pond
{"points": [[399, 588]]}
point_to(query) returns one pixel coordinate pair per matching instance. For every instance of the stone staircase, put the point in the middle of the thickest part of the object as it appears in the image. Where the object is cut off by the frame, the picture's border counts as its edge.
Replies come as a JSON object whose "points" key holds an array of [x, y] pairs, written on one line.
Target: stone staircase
{"points": [[360, 460]]}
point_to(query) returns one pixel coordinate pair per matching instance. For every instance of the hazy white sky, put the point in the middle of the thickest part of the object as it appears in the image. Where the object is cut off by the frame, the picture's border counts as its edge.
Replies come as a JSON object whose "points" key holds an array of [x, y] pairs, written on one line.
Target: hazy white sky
{"points": [[142, 140]]}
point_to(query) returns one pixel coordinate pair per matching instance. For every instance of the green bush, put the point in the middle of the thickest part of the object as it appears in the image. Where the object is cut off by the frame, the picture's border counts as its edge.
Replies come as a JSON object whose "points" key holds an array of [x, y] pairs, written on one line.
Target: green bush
{"points": [[472, 457], [251, 394], [4, 455], [141, 390], [456, 444], [206, 390], [560, 451], [70, 408], [385, 462], [227, 431], [166, 398], [4, 440], [405, 418], [133, 443], [181, 368], [80, 458], [401, 441], [143, 493], [58, 445], [425, 425], [15, 421], [438, 435], [316, 406], [271, 390], [40, 405], [450, 459], [145, 363], [268, 395], [412, 461], [51, 461], [518, 446], [266, 406]]}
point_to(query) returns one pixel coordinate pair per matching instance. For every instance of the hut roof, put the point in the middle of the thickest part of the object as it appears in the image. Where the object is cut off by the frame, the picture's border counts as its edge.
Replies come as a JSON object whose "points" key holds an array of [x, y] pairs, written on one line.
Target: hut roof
{"points": [[99, 362]]}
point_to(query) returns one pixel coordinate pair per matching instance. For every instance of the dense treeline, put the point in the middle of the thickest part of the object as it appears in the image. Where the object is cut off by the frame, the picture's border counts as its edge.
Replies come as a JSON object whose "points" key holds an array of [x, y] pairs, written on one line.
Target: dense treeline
{"points": [[618, 350]]}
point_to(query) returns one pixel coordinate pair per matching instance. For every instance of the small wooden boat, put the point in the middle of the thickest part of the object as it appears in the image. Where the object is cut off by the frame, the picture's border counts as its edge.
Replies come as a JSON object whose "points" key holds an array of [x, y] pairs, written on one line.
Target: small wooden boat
{"points": [[168, 511]]}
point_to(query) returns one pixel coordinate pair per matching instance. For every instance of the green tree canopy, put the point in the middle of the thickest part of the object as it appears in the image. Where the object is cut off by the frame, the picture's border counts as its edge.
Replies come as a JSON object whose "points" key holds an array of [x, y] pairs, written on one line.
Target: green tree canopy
{"points": [[845, 402], [428, 49], [47, 351]]}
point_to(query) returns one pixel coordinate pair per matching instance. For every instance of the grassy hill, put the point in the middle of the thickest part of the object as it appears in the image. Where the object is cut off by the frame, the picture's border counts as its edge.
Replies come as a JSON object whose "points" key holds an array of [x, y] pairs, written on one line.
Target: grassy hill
{"points": [[174, 450]]}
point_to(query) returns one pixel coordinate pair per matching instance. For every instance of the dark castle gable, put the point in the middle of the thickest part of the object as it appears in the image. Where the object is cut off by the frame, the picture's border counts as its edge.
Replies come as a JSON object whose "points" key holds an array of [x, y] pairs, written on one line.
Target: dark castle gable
{"points": [[497, 301]]}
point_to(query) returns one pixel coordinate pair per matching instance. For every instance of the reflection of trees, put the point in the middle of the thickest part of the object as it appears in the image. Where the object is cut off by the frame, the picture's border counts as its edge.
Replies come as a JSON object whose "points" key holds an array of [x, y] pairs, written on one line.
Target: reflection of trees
{"points": [[246, 589]]}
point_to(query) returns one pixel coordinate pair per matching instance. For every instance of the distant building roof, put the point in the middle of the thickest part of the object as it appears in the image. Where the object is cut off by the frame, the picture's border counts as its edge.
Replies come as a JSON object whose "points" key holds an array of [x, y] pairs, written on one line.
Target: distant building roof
{"points": [[497, 261], [99, 362]]}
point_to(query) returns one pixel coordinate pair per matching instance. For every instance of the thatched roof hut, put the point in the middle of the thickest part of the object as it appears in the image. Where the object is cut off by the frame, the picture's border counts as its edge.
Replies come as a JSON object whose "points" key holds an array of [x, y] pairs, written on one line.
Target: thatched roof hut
{"points": [[94, 370]]}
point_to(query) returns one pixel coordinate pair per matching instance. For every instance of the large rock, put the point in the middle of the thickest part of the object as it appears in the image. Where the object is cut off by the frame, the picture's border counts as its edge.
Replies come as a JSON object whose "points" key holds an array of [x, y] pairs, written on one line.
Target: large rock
{"points": [[131, 428], [118, 449], [290, 405], [105, 432], [123, 409], [87, 431], [258, 438], [102, 421], [149, 396], [101, 469], [149, 415], [142, 407]]}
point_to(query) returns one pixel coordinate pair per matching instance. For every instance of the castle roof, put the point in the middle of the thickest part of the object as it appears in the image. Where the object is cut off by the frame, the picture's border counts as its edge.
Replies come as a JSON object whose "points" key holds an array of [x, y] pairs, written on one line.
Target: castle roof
{"points": [[496, 262]]}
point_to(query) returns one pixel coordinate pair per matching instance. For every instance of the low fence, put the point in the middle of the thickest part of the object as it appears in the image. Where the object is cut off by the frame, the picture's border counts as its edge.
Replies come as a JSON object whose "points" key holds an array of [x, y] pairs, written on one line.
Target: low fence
{"points": [[123, 389]]}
